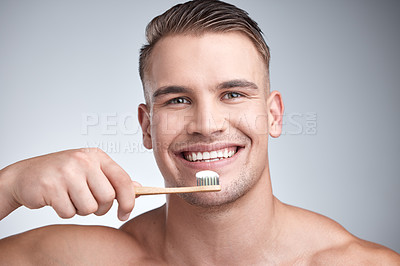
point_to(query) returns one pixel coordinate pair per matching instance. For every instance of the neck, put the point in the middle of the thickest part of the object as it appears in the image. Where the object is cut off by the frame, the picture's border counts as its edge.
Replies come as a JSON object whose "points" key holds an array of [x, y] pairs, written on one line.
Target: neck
{"points": [[197, 235]]}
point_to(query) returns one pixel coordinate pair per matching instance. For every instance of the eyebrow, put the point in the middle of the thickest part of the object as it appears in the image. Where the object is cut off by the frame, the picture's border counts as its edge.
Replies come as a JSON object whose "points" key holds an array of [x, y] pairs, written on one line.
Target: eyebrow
{"points": [[235, 83]]}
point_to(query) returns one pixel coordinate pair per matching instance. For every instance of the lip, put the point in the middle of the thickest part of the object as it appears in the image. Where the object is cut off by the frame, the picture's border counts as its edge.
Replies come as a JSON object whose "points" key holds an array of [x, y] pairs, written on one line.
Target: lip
{"points": [[206, 147]]}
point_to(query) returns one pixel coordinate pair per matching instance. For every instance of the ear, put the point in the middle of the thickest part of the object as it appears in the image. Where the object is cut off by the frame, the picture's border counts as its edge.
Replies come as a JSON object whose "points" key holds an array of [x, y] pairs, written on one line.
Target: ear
{"points": [[275, 114], [144, 121]]}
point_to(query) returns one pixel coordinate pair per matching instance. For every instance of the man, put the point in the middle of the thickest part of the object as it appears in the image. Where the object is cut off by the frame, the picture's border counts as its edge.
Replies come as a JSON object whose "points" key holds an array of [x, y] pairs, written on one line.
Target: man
{"points": [[205, 75]]}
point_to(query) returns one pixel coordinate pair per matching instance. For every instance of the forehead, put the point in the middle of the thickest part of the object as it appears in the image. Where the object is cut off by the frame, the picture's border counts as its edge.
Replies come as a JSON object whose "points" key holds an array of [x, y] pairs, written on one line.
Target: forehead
{"points": [[205, 60]]}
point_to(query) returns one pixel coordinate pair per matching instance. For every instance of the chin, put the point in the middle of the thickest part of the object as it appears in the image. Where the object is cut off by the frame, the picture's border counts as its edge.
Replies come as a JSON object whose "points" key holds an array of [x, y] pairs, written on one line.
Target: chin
{"points": [[229, 194]]}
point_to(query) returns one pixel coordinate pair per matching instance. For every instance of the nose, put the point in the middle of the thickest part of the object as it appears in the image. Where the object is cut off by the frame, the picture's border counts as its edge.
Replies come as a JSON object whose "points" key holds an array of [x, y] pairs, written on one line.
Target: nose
{"points": [[207, 119]]}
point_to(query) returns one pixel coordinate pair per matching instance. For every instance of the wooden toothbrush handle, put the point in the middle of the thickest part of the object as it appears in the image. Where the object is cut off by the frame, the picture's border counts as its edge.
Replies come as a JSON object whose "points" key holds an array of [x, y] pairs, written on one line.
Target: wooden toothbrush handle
{"points": [[170, 190]]}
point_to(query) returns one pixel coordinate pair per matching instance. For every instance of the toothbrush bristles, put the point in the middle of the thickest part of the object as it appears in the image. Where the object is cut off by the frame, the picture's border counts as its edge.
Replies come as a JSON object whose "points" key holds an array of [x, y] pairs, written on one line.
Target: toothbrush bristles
{"points": [[207, 178]]}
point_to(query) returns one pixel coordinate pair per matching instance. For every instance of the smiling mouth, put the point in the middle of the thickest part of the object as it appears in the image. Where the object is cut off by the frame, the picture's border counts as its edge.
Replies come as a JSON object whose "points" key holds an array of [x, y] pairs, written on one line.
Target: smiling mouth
{"points": [[210, 156]]}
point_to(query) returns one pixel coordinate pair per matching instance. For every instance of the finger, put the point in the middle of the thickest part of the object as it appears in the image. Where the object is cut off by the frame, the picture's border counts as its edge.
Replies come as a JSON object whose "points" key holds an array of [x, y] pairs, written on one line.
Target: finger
{"points": [[102, 191], [61, 203], [123, 186], [136, 184], [82, 197]]}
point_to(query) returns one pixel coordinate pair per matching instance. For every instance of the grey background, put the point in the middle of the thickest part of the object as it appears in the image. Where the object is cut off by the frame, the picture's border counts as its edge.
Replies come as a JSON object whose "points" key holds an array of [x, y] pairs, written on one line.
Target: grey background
{"points": [[336, 63]]}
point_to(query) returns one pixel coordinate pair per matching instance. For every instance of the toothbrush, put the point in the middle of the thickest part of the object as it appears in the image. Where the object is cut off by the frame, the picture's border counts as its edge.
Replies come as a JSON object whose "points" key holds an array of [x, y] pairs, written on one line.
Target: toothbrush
{"points": [[207, 181]]}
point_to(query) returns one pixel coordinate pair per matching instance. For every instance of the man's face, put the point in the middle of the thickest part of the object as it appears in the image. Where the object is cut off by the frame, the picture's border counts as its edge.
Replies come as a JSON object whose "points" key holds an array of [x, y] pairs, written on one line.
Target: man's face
{"points": [[208, 108]]}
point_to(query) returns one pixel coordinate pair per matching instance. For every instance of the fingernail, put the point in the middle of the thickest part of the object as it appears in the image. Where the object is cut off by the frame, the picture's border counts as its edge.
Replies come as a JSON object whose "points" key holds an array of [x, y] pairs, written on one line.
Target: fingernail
{"points": [[125, 217]]}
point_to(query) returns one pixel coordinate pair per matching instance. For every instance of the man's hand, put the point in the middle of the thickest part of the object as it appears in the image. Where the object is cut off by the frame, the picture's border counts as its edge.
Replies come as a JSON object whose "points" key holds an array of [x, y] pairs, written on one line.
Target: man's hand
{"points": [[81, 181]]}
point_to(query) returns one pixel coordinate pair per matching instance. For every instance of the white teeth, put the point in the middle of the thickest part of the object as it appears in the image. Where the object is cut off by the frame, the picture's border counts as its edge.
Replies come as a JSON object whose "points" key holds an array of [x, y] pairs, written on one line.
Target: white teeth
{"points": [[226, 153], [210, 156]]}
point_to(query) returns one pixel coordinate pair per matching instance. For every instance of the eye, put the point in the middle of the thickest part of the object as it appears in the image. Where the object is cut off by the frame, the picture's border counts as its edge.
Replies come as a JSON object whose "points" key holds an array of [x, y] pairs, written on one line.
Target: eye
{"points": [[178, 100], [232, 95]]}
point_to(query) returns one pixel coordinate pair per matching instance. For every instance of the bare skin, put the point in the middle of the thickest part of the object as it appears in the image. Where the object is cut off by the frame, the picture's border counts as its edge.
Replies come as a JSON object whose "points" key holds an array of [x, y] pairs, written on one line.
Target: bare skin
{"points": [[215, 92]]}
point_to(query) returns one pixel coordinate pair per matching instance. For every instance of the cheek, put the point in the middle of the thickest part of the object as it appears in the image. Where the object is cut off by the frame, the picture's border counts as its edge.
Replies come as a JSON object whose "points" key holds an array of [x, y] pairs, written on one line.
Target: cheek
{"points": [[253, 121], [261, 124], [165, 127]]}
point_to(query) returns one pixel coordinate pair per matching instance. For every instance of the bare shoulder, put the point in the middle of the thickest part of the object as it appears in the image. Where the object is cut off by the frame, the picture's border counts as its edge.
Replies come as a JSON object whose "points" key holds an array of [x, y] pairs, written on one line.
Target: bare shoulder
{"points": [[357, 252], [149, 230], [324, 241], [71, 244]]}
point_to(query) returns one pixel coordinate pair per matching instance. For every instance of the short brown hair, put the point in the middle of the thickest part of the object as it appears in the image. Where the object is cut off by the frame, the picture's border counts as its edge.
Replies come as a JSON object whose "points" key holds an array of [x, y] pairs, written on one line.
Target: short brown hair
{"points": [[198, 17]]}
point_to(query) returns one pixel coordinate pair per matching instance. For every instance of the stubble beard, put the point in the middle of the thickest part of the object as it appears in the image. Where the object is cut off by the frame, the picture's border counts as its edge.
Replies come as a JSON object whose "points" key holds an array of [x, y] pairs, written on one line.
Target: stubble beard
{"points": [[230, 193]]}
